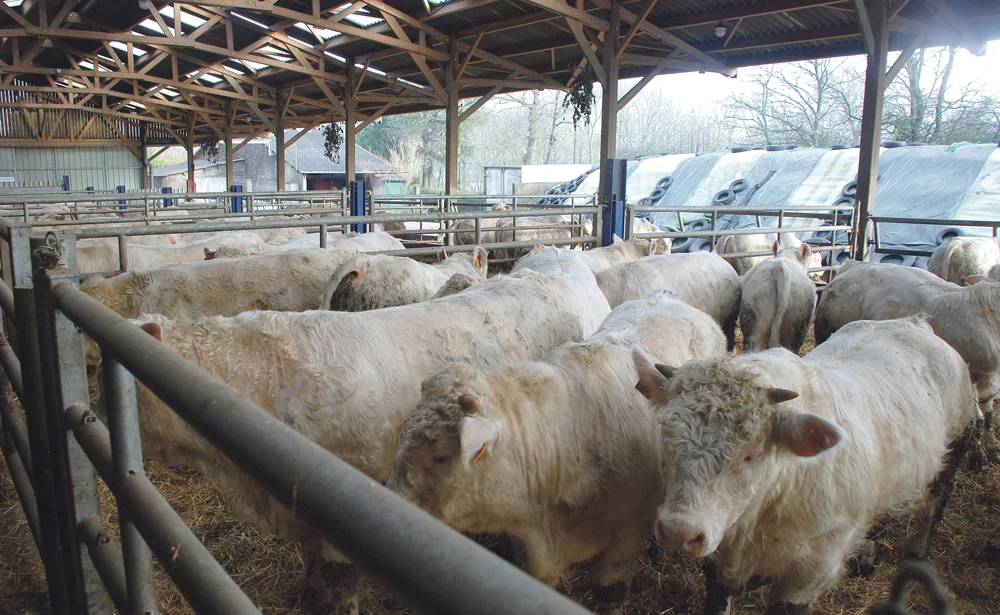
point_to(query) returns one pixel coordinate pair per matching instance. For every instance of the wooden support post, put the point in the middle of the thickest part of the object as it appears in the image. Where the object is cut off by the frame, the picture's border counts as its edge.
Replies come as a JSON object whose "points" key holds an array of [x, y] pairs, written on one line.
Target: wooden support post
{"points": [[452, 121], [279, 139], [609, 101], [350, 121], [144, 158], [871, 124], [189, 146], [227, 137]]}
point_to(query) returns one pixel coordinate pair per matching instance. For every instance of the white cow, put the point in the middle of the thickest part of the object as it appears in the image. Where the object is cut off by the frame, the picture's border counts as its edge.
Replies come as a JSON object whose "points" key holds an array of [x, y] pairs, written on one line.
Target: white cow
{"points": [[558, 454], [962, 257], [370, 282], [967, 318], [364, 242], [347, 380], [623, 251], [777, 301], [758, 242], [701, 279], [288, 281], [776, 465], [101, 256]]}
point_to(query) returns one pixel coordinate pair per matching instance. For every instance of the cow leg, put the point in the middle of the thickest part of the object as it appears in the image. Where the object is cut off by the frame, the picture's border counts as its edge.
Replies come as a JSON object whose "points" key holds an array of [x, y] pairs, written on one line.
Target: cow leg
{"points": [[748, 325], [990, 448], [930, 511], [611, 573], [718, 593], [331, 582]]}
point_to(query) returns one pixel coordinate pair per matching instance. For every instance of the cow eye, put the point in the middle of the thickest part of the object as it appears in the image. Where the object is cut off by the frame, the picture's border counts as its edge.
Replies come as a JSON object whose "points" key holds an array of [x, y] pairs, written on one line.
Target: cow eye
{"points": [[441, 458]]}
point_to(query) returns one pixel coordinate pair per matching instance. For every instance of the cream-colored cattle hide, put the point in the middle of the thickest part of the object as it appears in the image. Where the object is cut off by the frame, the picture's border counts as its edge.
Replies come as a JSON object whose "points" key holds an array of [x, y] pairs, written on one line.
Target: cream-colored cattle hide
{"points": [[957, 259], [777, 301]]}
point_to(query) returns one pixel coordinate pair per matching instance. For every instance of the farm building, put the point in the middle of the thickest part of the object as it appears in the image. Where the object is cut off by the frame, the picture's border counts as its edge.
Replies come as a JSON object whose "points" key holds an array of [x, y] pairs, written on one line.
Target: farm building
{"points": [[308, 395], [306, 168]]}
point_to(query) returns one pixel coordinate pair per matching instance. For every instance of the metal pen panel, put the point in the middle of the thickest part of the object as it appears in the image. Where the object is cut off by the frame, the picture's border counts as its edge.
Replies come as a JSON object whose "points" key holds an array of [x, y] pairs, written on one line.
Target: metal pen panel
{"points": [[64, 376], [107, 558], [202, 580], [126, 453]]}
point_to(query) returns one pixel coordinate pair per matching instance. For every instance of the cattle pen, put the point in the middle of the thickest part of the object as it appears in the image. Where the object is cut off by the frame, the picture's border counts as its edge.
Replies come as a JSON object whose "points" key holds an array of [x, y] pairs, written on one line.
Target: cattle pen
{"points": [[54, 448]]}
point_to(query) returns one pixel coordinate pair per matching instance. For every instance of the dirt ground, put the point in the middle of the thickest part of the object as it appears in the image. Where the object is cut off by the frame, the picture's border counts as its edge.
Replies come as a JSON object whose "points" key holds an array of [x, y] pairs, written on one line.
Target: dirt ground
{"points": [[966, 554]]}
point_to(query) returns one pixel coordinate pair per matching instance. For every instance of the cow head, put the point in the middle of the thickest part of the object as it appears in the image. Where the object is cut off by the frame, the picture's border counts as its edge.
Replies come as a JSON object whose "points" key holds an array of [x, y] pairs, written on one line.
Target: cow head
{"points": [[451, 459], [724, 439]]}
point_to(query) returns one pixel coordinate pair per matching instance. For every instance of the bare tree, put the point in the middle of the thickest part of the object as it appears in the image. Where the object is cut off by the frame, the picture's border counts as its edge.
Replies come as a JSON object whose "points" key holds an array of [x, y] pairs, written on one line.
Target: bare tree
{"points": [[806, 103], [922, 105]]}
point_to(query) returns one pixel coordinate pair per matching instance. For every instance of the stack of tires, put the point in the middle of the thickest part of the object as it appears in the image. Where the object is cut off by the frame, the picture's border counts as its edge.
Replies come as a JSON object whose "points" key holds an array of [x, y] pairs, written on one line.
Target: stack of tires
{"points": [[558, 195]]}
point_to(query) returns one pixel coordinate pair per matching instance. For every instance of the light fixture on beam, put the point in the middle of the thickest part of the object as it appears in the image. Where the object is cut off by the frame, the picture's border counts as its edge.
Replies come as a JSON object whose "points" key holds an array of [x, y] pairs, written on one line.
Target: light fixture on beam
{"points": [[145, 4], [47, 43], [720, 30], [73, 17]]}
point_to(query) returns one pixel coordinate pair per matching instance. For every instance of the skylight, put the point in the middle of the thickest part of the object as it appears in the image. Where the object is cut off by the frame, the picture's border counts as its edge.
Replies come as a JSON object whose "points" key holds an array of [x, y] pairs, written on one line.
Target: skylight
{"points": [[249, 19], [13, 3], [411, 84], [253, 65], [186, 18], [150, 24], [120, 46], [321, 33], [230, 69], [210, 78], [169, 92], [362, 20]]}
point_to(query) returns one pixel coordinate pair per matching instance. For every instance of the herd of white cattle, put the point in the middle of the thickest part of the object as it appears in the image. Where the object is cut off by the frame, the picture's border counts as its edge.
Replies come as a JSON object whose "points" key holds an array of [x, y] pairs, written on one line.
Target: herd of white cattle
{"points": [[590, 400]]}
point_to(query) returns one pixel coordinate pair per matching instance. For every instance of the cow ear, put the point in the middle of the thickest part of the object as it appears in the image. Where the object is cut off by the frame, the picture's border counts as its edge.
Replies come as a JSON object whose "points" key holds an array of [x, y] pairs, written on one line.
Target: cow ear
{"points": [[478, 437], [479, 259], [806, 251], [975, 279], [654, 378], [776, 247], [153, 329], [443, 254], [209, 254], [806, 434], [616, 239]]}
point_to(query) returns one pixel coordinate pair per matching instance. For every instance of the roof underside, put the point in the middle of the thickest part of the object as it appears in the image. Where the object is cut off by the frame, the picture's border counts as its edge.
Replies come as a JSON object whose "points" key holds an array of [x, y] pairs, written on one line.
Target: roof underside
{"points": [[246, 62]]}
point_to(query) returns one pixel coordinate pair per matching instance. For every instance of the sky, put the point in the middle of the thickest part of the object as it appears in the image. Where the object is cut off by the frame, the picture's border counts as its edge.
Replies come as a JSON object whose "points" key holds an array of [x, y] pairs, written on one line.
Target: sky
{"points": [[696, 90]]}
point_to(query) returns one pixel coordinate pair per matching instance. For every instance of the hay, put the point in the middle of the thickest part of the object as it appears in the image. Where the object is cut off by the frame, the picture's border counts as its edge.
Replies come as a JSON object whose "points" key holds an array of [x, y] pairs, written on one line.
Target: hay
{"points": [[966, 553]]}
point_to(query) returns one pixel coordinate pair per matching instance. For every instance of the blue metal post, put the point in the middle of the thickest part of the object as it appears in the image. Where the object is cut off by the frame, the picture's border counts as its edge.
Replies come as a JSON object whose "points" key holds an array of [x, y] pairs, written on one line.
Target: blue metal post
{"points": [[120, 190], [65, 183], [613, 216], [90, 190], [237, 200], [167, 190], [357, 203]]}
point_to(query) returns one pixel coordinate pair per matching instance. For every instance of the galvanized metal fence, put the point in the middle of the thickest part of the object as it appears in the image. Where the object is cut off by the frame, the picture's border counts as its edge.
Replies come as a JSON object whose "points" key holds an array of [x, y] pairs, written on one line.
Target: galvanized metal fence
{"points": [[58, 448], [836, 221], [956, 225]]}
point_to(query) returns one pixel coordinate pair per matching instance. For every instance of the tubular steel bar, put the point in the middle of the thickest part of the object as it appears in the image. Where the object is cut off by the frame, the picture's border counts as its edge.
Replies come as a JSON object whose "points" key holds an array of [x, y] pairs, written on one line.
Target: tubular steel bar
{"points": [[17, 463], [432, 567], [201, 579], [107, 558], [64, 376], [126, 453]]}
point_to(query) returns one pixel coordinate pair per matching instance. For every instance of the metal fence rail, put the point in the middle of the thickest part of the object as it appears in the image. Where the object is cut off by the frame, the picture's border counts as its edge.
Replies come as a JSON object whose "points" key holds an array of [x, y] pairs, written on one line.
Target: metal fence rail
{"points": [[878, 220], [838, 220]]}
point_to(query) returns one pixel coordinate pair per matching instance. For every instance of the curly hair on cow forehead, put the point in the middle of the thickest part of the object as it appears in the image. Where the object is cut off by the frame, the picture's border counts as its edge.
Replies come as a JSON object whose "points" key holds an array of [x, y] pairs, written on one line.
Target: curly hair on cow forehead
{"points": [[445, 399], [717, 407]]}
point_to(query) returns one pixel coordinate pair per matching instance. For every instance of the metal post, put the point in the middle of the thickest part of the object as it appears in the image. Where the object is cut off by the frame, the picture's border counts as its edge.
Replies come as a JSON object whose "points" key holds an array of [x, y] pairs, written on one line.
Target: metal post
{"points": [[227, 138], [279, 139], [613, 200], [871, 126], [358, 203], [451, 124], [126, 456], [350, 122], [123, 253], [479, 231], [609, 100], [322, 236], [64, 378]]}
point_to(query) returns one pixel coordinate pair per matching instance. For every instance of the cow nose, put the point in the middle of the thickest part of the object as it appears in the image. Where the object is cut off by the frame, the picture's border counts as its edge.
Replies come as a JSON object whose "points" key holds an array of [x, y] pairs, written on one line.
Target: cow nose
{"points": [[681, 538]]}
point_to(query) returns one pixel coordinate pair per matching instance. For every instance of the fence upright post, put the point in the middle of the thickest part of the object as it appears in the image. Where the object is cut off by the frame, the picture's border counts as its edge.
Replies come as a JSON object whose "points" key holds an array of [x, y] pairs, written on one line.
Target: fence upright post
{"points": [[612, 201], [63, 375]]}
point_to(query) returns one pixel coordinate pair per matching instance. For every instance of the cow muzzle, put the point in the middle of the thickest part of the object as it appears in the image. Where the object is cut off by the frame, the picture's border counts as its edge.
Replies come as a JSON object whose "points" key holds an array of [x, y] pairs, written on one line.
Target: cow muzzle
{"points": [[679, 536]]}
